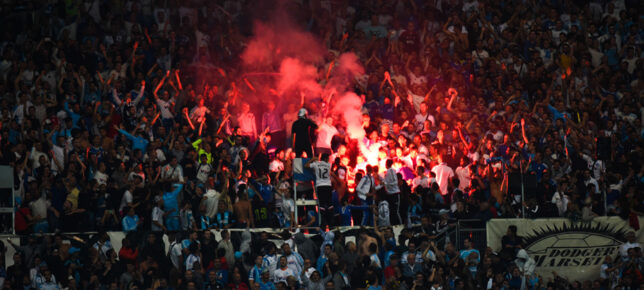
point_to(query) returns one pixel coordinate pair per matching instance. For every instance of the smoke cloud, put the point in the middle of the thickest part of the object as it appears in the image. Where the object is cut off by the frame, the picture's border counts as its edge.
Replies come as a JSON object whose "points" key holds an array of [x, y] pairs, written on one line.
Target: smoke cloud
{"points": [[278, 39], [296, 75], [283, 58]]}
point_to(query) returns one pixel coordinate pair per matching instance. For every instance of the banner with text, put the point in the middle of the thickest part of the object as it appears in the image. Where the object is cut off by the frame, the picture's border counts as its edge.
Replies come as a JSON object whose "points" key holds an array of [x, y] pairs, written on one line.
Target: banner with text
{"points": [[574, 250]]}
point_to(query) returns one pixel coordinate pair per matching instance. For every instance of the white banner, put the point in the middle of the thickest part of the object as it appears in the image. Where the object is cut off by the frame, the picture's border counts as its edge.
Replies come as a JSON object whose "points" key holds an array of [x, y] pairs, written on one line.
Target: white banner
{"points": [[573, 250]]}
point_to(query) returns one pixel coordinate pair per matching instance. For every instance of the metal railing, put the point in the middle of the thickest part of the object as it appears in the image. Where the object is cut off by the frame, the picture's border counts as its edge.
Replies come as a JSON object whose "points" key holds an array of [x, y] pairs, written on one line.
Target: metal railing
{"points": [[473, 229]]}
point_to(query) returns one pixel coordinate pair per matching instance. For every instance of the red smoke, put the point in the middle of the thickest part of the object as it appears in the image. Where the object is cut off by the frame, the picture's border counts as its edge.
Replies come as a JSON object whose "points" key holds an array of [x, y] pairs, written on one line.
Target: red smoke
{"points": [[294, 59], [279, 39], [296, 75]]}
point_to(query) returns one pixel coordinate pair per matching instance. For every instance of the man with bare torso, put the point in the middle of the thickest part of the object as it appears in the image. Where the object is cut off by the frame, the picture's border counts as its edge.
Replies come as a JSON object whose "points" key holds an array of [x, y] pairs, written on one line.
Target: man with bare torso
{"points": [[363, 243], [243, 210]]}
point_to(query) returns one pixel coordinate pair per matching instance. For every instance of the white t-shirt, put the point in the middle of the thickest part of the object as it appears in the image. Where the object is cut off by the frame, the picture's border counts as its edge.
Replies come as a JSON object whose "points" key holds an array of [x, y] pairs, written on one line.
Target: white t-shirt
{"points": [[479, 57], [322, 173], [190, 261], [443, 174], [364, 186], [463, 174], [175, 253], [211, 202], [602, 271], [419, 120], [157, 216], [199, 113], [270, 262], [595, 57], [597, 168], [325, 135], [375, 260], [623, 249], [295, 263], [39, 207], [288, 207], [175, 173], [383, 214], [101, 178], [203, 171], [103, 248], [280, 275], [127, 198], [422, 181], [247, 125], [276, 166], [164, 107], [417, 79]]}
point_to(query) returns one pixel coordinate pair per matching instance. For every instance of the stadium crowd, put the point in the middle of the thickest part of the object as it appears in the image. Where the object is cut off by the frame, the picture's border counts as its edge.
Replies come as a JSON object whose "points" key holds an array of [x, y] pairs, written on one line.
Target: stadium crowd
{"points": [[136, 116]]}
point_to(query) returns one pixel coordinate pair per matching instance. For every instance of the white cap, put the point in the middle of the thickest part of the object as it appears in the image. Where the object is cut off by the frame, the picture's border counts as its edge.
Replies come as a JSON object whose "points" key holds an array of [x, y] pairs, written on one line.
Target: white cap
{"points": [[302, 113]]}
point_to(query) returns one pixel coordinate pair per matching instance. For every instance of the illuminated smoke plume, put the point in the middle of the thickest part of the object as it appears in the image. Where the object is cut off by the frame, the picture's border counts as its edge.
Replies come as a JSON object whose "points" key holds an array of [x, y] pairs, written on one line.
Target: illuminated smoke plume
{"points": [[295, 75], [348, 103], [278, 39], [348, 106], [297, 58]]}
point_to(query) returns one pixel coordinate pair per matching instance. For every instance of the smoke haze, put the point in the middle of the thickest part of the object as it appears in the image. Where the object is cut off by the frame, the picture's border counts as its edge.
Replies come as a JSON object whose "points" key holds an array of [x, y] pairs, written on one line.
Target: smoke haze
{"points": [[291, 61]]}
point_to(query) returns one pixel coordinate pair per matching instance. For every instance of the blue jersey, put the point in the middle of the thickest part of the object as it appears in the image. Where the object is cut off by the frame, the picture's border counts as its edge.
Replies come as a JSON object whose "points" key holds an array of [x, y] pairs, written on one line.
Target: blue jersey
{"points": [[205, 222], [223, 218], [170, 201], [130, 223]]}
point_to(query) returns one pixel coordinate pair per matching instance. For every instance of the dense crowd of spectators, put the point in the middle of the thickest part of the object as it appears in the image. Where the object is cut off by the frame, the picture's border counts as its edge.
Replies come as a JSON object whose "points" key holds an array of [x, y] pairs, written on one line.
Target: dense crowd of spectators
{"points": [[355, 259], [134, 116]]}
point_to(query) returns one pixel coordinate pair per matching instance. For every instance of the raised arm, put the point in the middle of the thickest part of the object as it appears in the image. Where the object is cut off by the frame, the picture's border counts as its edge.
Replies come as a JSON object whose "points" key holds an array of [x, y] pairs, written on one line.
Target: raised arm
{"points": [[177, 188], [468, 145], [308, 163], [201, 126], [525, 138], [151, 70], [156, 117], [185, 113], [453, 93], [140, 96], [176, 74], [197, 144], [125, 133], [116, 98], [156, 90]]}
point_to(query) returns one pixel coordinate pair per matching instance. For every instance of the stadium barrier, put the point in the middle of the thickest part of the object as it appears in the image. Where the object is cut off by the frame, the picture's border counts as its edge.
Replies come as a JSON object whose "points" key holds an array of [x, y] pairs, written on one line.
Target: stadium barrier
{"points": [[573, 249]]}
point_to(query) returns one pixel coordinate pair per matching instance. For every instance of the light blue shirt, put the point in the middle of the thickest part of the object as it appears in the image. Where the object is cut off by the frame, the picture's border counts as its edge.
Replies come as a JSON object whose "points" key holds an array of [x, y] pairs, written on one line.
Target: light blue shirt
{"points": [[130, 223]]}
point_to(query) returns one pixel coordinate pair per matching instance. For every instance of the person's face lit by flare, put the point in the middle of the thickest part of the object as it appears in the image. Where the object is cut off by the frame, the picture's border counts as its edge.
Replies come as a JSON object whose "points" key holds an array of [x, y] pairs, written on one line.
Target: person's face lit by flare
{"points": [[396, 128], [373, 136], [402, 141], [440, 136], [245, 108], [366, 119], [382, 154], [342, 150], [344, 161]]}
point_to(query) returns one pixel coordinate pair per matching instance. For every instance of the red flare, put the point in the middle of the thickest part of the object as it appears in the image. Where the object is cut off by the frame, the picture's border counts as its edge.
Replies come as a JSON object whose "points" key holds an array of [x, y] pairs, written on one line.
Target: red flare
{"points": [[328, 72], [221, 72], [249, 85]]}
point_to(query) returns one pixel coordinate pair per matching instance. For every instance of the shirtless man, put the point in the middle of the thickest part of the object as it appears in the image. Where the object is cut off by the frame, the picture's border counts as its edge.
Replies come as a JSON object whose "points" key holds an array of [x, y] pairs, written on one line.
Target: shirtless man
{"points": [[363, 243], [243, 210]]}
